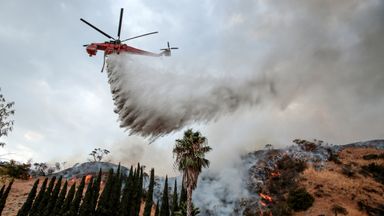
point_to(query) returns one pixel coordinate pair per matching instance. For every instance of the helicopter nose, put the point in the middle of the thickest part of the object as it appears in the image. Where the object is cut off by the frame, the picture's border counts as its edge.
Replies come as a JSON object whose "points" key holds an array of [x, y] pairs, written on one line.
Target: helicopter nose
{"points": [[91, 51]]}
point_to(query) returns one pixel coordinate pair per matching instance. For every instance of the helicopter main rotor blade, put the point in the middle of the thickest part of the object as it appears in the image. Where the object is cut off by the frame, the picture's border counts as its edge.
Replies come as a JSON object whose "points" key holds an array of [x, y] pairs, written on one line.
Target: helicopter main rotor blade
{"points": [[94, 27], [121, 20], [140, 36]]}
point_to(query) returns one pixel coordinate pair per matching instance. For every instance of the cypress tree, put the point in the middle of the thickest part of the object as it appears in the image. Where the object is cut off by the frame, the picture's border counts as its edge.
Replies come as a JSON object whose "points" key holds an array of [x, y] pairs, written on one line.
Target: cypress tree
{"points": [[115, 193], [68, 200], [4, 197], [102, 209], [74, 209], [139, 194], [35, 207], [131, 194], [164, 210], [135, 191], [86, 205], [183, 193], [46, 197], [52, 201], [175, 206], [157, 211], [2, 191], [149, 200], [96, 191], [60, 200], [126, 200], [28, 203]]}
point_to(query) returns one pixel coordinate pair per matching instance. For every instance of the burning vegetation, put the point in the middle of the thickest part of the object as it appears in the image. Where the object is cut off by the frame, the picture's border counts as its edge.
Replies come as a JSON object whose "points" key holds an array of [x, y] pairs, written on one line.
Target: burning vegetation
{"points": [[315, 178]]}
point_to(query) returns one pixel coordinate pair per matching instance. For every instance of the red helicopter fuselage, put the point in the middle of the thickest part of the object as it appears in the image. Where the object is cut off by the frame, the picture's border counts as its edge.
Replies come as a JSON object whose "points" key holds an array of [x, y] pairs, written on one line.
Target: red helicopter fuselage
{"points": [[111, 47]]}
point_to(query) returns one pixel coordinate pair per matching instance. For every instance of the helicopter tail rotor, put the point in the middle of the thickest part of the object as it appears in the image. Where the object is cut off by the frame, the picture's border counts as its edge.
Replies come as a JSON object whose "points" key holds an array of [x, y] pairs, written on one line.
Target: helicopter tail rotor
{"points": [[167, 51]]}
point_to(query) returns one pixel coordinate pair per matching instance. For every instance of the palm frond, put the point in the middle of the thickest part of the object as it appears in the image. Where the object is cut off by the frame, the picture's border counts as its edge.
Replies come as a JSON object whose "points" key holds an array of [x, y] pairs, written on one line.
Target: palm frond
{"points": [[189, 153]]}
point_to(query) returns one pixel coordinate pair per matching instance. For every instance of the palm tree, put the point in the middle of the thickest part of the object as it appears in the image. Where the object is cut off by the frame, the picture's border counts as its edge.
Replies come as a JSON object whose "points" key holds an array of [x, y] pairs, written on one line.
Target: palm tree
{"points": [[190, 152]]}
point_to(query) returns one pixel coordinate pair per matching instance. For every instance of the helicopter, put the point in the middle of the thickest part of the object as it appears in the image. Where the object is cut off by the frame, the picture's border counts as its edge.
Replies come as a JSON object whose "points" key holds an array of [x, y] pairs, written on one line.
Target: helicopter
{"points": [[117, 46]]}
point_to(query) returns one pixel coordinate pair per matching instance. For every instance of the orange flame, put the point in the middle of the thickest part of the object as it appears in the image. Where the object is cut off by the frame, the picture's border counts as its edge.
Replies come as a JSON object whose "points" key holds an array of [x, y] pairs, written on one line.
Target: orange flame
{"points": [[88, 178], [264, 202], [266, 197], [275, 174]]}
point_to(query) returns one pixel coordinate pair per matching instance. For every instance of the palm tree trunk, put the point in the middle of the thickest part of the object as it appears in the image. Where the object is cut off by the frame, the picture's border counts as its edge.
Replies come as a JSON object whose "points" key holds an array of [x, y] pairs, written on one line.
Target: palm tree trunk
{"points": [[189, 200]]}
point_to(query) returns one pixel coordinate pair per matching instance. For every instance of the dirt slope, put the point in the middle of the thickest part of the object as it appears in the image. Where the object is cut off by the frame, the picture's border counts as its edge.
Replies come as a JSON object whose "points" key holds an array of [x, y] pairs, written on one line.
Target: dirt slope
{"points": [[343, 184]]}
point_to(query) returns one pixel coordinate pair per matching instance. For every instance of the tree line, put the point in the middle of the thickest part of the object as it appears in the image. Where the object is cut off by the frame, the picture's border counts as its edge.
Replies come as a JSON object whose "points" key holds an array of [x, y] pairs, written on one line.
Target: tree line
{"points": [[121, 195]]}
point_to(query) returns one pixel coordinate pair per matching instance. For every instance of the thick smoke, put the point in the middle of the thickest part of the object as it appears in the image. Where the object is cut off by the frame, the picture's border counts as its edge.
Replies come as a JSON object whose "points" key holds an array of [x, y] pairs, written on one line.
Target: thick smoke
{"points": [[288, 52]]}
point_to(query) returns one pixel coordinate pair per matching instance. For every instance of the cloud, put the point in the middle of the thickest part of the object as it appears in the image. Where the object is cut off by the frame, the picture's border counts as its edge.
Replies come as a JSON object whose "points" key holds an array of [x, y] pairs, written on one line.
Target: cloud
{"points": [[33, 136]]}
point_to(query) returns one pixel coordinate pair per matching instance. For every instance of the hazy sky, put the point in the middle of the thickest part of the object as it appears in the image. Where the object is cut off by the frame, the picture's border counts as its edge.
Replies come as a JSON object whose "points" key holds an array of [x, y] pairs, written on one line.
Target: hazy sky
{"points": [[325, 61]]}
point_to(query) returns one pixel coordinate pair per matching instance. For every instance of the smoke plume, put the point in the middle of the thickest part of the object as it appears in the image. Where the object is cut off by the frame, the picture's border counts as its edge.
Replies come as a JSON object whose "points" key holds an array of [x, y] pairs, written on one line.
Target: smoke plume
{"points": [[282, 54]]}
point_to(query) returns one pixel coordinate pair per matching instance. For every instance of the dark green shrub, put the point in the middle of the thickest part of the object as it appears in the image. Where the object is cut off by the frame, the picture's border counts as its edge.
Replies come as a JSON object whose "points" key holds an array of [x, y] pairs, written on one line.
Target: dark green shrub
{"points": [[285, 182], [15, 169], [337, 209], [333, 156], [306, 145], [370, 210], [347, 170], [288, 163], [281, 208], [289, 169], [377, 171], [373, 156], [183, 210], [300, 200]]}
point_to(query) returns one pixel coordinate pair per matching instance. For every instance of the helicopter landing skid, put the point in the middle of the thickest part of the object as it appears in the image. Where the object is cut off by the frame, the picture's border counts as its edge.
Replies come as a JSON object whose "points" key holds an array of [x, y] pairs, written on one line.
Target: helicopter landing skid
{"points": [[102, 69]]}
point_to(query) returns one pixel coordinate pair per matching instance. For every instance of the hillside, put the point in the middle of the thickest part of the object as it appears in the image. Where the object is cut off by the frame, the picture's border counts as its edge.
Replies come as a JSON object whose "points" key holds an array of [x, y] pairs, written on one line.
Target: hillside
{"points": [[347, 179], [346, 185]]}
